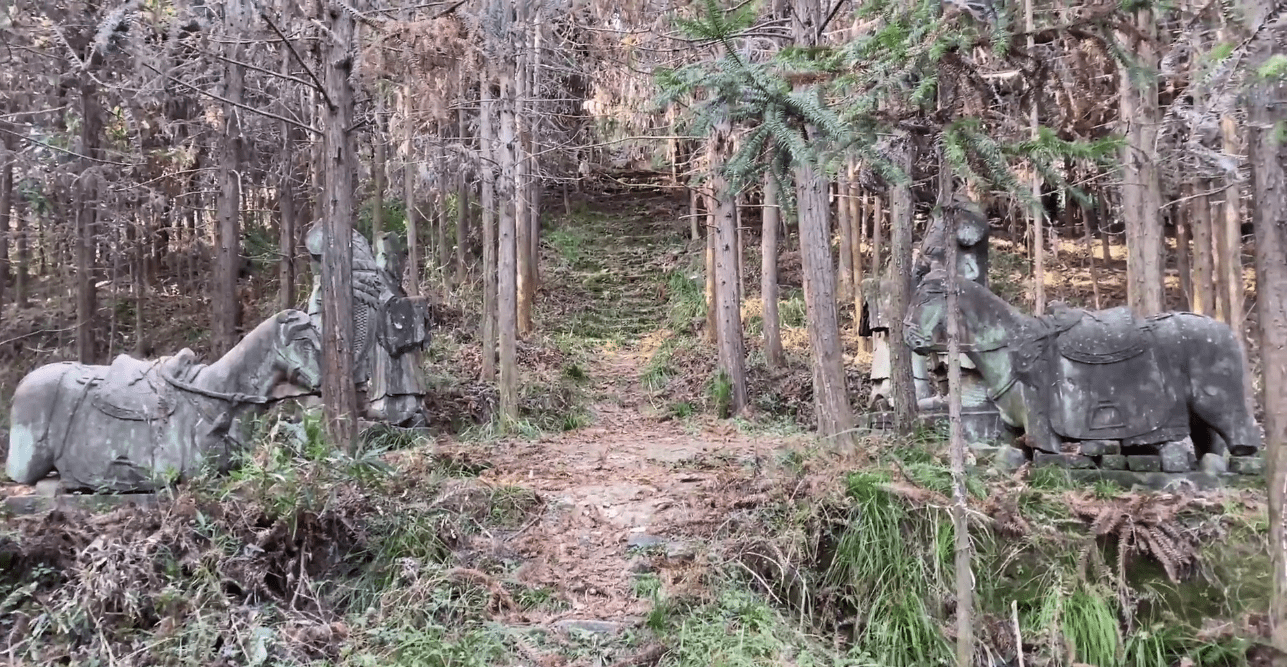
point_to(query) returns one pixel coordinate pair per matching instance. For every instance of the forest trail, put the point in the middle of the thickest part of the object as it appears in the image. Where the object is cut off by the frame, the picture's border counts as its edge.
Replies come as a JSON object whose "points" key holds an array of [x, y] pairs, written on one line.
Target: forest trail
{"points": [[634, 491]]}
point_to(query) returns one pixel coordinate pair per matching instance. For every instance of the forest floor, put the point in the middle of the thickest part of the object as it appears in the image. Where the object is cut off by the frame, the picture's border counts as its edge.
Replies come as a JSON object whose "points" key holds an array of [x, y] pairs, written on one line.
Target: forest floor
{"points": [[625, 523]]}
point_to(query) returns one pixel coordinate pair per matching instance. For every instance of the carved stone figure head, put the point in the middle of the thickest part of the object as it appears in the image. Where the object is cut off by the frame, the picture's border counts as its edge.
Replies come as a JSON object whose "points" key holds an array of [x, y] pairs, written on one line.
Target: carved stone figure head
{"points": [[923, 329], [299, 350]]}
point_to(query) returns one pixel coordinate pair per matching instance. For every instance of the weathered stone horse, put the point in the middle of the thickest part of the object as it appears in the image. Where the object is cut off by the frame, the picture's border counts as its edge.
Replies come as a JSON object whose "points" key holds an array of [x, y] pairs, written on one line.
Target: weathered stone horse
{"points": [[1078, 375], [135, 424]]}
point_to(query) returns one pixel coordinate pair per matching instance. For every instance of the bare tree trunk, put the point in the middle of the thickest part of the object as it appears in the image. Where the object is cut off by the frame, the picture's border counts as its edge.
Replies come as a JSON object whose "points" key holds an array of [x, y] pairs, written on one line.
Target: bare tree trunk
{"points": [[1267, 153], [877, 234], [7, 157], [1182, 255], [769, 273], [1203, 263], [732, 353], [857, 232], [1141, 191], [409, 193], [1231, 230], [693, 213], [462, 191], [1090, 255], [444, 252], [960, 516], [903, 393], [22, 252], [487, 172], [286, 208], [379, 162], [339, 394], [846, 230], [140, 289], [712, 320], [228, 233], [831, 395], [86, 223], [507, 262]]}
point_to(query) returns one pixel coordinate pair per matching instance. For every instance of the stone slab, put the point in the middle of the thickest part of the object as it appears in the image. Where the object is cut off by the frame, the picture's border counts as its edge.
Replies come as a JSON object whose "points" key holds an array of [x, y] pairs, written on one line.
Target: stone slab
{"points": [[1247, 465], [1009, 458], [1178, 456], [1073, 461], [1150, 480], [1112, 462], [1144, 463], [1213, 463], [1099, 447]]}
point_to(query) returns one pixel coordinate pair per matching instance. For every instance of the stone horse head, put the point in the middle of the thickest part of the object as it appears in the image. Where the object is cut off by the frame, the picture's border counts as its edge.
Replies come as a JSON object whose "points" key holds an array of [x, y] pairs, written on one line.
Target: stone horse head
{"points": [[987, 322], [297, 352]]}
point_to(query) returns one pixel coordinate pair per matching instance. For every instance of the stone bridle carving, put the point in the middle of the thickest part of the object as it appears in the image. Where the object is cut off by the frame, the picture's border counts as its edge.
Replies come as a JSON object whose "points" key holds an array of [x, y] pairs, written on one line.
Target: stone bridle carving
{"points": [[1078, 375], [133, 424]]}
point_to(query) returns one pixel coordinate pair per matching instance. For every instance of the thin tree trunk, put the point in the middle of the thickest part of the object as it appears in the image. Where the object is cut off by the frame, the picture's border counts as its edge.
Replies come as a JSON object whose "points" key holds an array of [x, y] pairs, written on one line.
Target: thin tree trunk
{"points": [[1267, 153], [488, 196], [443, 250], [769, 273], [712, 320], [86, 222], [877, 240], [740, 255], [507, 299], [693, 213], [846, 229], [22, 251], [409, 194], [960, 517], [379, 162], [732, 353], [462, 192], [339, 394], [6, 206], [286, 209], [534, 171], [1141, 191], [857, 233], [1182, 255], [140, 290], [903, 392], [1231, 231], [1203, 261], [1090, 256]]}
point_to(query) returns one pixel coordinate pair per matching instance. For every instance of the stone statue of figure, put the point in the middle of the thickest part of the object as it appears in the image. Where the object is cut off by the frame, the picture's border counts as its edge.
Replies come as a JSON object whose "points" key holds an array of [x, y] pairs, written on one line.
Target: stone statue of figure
{"points": [[971, 237], [388, 330]]}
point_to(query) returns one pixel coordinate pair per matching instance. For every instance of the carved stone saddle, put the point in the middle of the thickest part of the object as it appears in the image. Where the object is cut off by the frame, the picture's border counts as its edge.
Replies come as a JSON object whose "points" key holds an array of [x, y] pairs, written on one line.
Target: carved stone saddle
{"points": [[136, 390], [1105, 382]]}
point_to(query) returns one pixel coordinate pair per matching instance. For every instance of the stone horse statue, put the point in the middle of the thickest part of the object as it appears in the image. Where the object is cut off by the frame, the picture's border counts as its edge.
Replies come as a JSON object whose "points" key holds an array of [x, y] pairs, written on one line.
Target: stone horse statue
{"points": [[136, 424], [1096, 376]]}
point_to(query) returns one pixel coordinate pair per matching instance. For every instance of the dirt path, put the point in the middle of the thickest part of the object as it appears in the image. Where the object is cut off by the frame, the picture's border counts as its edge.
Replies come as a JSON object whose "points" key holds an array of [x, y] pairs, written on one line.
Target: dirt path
{"points": [[631, 492]]}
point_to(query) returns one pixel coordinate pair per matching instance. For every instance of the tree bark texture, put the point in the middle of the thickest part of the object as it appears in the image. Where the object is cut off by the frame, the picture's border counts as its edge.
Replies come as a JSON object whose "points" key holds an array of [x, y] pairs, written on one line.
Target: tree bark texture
{"points": [[462, 195], [507, 262], [902, 391], [409, 194], [1231, 236], [6, 208], [831, 395], [769, 273], [487, 172], [286, 209], [87, 222], [339, 394], [1203, 296], [22, 252], [379, 162], [1141, 190], [845, 229], [228, 233], [1267, 151], [712, 320], [732, 352], [957, 447]]}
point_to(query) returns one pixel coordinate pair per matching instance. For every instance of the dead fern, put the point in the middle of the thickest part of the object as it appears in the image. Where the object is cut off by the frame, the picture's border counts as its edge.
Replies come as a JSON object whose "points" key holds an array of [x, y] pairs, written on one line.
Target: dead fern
{"points": [[1146, 524]]}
